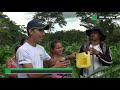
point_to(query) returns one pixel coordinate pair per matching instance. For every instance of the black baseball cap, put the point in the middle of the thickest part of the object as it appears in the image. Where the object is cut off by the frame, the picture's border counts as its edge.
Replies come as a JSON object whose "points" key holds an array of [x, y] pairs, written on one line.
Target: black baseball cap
{"points": [[37, 24]]}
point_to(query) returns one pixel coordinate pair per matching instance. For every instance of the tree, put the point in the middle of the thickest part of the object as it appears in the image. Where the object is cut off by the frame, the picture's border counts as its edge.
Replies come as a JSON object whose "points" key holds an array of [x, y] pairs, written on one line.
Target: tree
{"points": [[51, 18], [110, 26], [9, 32], [71, 36]]}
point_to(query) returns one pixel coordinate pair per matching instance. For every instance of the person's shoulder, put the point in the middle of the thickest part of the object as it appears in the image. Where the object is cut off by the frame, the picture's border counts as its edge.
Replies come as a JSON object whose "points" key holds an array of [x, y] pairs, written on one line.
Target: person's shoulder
{"points": [[39, 46], [8, 60], [83, 45], [104, 45], [23, 47]]}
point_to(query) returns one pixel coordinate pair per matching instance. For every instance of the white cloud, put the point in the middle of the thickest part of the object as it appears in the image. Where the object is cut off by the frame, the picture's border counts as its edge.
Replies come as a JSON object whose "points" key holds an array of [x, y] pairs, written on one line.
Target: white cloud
{"points": [[22, 18], [69, 14], [72, 23]]}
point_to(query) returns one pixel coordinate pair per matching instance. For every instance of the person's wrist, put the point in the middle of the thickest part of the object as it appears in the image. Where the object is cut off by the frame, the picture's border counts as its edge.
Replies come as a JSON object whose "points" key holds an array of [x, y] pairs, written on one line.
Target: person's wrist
{"points": [[98, 53], [66, 58], [54, 66]]}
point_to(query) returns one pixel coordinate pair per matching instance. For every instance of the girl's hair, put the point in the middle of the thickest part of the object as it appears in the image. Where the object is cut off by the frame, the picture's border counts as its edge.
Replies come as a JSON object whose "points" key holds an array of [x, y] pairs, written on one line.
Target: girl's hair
{"points": [[23, 40], [52, 45], [16, 48]]}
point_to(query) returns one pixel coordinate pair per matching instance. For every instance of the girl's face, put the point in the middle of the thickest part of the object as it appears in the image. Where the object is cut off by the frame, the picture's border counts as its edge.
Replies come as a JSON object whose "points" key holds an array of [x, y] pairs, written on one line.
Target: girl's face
{"points": [[58, 49]]}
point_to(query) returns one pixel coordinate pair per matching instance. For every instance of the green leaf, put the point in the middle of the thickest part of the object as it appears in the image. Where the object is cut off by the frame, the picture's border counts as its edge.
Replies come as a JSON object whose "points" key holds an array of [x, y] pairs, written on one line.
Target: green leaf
{"points": [[100, 69]]}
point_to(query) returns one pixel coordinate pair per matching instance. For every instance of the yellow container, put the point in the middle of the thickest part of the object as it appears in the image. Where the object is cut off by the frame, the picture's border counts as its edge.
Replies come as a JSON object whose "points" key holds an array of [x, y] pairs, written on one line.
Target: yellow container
{"points": [[83, 60]]}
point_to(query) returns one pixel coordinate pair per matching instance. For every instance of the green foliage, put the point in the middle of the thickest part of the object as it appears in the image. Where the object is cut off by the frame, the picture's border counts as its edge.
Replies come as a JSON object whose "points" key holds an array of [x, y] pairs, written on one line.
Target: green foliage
{"points": [[109, 72], [9, 32], [6, 52], [116, 54], [2, 71], [51, 18], [72, 36]]}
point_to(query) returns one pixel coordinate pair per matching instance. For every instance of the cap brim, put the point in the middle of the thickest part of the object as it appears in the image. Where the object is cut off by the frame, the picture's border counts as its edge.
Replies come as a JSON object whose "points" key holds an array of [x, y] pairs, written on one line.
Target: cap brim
{"points": [[46, 27]]}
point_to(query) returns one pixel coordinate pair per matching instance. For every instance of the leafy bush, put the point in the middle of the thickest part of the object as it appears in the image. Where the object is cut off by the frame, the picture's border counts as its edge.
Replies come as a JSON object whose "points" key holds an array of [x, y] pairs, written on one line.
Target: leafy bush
{"points": [[5, 53], [109, 72]]}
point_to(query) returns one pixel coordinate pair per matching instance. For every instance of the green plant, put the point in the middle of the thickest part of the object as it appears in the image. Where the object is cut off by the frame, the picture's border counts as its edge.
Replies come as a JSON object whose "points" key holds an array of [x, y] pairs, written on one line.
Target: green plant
{"points": [[5, 53], [2, 71], [112, 71]]}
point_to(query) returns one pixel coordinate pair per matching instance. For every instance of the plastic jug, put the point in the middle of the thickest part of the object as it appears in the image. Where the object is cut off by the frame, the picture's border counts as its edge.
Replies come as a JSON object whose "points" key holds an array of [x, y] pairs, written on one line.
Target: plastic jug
{"points": [[83, 60]]}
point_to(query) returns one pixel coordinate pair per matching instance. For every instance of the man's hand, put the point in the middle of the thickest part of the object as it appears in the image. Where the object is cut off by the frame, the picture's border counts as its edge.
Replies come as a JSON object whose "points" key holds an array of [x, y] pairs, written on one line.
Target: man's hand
{"points": [[94, 51], [29, 65], [86, 51], [72, 56], [59, 64], [67, 63]]}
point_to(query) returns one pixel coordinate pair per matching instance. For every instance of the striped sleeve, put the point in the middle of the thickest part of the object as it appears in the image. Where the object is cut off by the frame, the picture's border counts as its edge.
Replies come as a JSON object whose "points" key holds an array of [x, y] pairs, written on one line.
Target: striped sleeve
{"points": [[106, 59]]}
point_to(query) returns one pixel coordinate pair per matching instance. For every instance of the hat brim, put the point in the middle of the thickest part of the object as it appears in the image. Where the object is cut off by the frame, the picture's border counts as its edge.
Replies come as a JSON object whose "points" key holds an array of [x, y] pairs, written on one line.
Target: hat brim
{"points": [[44, 27], [88, 32], [103, 37]]}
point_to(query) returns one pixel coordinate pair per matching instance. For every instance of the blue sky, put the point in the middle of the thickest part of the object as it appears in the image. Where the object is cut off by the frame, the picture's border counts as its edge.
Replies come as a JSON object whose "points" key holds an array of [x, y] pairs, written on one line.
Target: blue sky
{"points": [[22, 18]]}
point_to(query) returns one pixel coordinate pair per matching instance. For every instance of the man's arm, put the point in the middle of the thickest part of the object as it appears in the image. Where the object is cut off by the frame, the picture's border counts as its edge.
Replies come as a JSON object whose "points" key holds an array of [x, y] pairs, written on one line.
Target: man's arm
{"points": [[106, 59], [23, 58], [58, 64], [73, 55], [8, 65], [33, 75]]}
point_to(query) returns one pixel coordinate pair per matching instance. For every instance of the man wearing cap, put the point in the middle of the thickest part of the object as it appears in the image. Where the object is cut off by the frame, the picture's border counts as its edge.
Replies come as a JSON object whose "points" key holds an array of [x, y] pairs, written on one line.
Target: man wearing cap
{"points": [[30, 54], [100, 53]]}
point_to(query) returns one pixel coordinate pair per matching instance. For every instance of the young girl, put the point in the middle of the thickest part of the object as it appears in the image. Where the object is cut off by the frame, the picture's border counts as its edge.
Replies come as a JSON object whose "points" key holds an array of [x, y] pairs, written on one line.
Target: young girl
{"points": [[56, 51], [11, 63]]}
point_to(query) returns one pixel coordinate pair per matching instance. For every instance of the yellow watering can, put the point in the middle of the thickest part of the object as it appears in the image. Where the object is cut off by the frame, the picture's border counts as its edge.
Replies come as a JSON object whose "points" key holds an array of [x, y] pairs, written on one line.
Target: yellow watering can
{"points": [[83, 60]]}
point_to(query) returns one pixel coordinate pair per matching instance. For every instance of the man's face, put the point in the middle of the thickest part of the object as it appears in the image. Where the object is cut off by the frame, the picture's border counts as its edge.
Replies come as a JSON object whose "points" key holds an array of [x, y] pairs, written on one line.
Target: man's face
{"points": [[38, 34], [95, 35]]}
